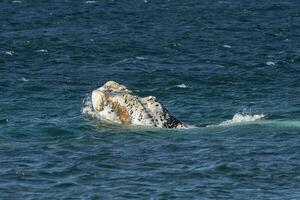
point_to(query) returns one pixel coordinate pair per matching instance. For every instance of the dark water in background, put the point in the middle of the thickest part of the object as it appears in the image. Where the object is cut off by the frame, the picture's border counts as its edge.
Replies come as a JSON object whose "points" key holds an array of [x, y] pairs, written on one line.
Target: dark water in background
{"points": [[233, 56]]}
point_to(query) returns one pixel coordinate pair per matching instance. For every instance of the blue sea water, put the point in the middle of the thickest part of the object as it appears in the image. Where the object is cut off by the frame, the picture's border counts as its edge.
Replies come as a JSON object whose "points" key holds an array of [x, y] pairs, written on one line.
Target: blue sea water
{"points": [[231, 68]]}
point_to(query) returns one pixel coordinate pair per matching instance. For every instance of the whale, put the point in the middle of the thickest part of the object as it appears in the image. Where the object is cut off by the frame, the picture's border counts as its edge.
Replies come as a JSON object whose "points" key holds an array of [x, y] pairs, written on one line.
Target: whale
{"points": [[116, 103]]}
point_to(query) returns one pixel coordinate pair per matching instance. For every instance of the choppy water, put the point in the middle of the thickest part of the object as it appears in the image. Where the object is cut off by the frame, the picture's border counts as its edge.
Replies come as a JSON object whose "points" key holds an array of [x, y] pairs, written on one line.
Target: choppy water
{"points": [[231, 68]]}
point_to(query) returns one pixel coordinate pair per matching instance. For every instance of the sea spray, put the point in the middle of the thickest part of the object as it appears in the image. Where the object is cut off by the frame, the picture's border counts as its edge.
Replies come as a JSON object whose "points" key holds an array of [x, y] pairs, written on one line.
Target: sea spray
{"points": [[240, 118], [87, 108]]}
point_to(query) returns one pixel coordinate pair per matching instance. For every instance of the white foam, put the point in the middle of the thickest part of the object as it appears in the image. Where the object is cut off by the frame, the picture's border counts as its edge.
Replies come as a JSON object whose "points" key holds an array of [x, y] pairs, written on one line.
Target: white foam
{"points": [[91, 2], [24, 79], [241, 119], [8, 52], [227, 46], [87, 108], [140, 58], [42, 50], [182, 86], [270, 63]]}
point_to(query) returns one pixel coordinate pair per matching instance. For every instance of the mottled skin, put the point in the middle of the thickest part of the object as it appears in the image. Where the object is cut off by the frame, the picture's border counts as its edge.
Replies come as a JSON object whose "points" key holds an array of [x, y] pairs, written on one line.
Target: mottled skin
{"points": [[114, 102]]}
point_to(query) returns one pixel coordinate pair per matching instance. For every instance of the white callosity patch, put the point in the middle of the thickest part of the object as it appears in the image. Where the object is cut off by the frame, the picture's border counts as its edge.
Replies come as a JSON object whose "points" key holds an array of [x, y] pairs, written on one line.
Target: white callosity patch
{"points": [[114, 102], [154, 108]]}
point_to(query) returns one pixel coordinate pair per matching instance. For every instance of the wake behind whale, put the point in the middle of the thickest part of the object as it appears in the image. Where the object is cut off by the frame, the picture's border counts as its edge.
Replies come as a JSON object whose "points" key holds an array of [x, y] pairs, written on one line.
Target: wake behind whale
{"points": [[240, 118]]}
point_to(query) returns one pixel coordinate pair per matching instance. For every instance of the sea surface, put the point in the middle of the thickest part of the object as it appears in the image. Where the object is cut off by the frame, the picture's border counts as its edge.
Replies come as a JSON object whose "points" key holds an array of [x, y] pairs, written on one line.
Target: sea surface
{"points": [[230, 68]]}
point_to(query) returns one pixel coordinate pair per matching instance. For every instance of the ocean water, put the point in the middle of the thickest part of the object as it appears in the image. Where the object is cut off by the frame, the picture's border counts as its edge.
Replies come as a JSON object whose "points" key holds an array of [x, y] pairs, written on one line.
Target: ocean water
{"points": [[230, 68]]}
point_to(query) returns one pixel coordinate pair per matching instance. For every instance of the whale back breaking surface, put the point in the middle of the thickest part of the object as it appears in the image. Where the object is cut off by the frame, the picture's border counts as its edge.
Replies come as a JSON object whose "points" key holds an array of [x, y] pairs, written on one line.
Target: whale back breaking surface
{"points": [[116, 103]]}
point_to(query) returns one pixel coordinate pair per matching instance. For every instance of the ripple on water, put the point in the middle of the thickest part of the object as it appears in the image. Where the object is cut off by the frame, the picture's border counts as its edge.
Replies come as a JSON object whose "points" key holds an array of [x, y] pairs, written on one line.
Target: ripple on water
{"points": [[205, 60], [3, 120]]}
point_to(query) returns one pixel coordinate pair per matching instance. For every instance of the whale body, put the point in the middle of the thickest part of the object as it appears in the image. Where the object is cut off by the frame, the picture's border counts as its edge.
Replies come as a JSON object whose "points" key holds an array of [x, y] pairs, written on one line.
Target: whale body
{"points": [[115, 103]]}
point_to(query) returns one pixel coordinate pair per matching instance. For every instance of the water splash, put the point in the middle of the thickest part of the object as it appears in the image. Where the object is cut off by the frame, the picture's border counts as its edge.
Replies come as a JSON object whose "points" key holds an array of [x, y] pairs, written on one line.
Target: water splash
{"points": [[182, 86], [89, 112], [87, 108], [241, 119]]}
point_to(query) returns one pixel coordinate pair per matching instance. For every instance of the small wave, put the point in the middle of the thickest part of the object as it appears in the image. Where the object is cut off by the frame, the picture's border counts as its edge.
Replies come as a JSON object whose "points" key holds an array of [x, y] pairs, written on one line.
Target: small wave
{"points": [[270, 63], [8, 52], [121, 61], [227, 46], [241, 119], [16, 1], [90, 2], [182, 86], [42, 50], [140, 58], [24, 79], [3, 120]]}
